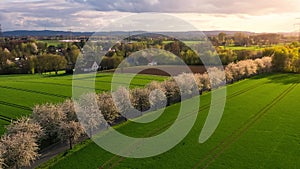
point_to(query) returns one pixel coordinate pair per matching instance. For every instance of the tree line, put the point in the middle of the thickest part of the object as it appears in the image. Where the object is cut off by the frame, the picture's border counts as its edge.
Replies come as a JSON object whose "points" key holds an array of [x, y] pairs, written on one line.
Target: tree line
{"points": [[248, 39], [37, 57], [50, 123], [286, 58]]}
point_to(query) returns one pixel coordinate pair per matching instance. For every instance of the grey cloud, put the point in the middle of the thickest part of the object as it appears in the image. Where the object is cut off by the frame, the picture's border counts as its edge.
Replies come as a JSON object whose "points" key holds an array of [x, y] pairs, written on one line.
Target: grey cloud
{"points": [[45, 23], [253, 7], [39, 14]]}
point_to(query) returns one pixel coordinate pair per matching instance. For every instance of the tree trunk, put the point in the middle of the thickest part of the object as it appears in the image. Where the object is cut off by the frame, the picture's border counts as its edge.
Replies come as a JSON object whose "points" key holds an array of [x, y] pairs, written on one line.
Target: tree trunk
{"points": [[70, 142], [91, 132]]}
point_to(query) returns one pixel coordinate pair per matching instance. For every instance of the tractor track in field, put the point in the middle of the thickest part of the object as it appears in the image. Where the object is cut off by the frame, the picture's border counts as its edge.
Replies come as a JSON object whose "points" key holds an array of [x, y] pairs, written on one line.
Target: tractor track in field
{"points": [[120, 83], [5, 118], [34, 91], [157, 130], [15, 105], [91, 79], [236, 134], [59, 84]]}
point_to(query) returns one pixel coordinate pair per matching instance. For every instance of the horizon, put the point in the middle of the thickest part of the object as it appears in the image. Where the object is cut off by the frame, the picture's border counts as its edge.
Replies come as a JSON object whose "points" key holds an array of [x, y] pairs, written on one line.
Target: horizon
{"points": [[45, 30]]}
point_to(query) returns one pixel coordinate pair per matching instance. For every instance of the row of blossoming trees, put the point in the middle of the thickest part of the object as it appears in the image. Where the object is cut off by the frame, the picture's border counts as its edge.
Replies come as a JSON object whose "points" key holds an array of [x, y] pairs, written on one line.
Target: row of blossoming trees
{"points": [[50, 123]]}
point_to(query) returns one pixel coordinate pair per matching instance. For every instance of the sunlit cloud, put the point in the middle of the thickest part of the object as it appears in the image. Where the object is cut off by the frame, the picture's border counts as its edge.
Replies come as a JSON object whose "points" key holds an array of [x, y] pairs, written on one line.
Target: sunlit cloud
{"points": [[92, 15]]}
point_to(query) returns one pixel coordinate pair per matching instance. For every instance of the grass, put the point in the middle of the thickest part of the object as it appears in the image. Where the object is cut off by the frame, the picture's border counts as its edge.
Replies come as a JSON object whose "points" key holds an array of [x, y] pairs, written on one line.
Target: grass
{"points": [[259, 129], [253, 47], [51, 42], [19, 93]]}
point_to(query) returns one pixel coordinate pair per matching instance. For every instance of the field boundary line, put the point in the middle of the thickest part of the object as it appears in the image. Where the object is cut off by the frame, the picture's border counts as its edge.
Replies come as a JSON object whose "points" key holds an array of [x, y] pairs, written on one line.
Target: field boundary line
{"points": [[58, 84], [33, 91]]}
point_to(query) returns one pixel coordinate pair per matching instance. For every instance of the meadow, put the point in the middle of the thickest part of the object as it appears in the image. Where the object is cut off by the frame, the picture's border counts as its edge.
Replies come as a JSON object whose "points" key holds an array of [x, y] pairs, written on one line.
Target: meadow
{"points": [[51, 42], [19, 93], [259, 129]]}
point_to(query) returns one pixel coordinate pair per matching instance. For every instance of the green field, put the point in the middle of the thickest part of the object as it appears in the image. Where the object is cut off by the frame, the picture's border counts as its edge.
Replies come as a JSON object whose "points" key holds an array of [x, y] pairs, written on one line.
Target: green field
{"points": [[254, 48], [259, 129], [51, 42], [19, 93]]}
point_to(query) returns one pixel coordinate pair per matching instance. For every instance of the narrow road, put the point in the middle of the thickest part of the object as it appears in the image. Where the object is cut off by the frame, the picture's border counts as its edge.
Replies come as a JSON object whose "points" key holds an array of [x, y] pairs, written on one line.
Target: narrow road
{"points": [[49, 153]]}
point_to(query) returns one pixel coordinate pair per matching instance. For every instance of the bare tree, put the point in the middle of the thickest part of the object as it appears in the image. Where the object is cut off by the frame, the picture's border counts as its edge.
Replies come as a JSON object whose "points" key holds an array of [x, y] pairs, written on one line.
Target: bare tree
{"points": [[70, 132]]}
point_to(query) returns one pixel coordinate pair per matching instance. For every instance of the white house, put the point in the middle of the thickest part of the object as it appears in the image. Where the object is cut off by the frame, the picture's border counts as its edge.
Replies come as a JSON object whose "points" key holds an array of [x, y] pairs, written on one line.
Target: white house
{"points": [[93, 68]]}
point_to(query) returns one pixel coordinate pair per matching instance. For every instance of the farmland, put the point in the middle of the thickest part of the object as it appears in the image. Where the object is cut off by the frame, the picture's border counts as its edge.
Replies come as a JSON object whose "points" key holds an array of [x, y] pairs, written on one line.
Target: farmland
{"points": [[19, 93], [259, 129]]}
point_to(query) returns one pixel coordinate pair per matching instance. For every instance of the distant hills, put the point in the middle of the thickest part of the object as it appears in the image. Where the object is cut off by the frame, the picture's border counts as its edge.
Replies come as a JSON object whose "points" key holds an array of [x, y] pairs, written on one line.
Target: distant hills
{"points": [[45, 33], [125, 33], [68, 33]]}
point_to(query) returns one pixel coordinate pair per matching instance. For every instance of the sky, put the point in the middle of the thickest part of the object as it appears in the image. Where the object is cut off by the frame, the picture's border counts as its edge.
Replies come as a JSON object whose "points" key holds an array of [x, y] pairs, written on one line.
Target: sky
{"points": [[91, 15]]}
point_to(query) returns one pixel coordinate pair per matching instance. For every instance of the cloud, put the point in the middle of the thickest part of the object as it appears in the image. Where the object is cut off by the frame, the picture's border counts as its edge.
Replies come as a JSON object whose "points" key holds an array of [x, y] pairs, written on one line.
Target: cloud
{"points": [[92, 15], [253, 7], [54, 14]]}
